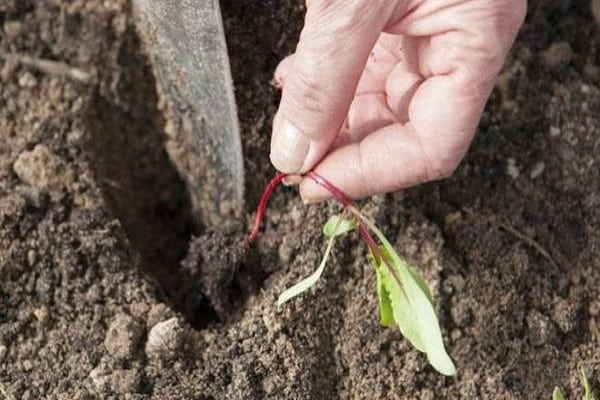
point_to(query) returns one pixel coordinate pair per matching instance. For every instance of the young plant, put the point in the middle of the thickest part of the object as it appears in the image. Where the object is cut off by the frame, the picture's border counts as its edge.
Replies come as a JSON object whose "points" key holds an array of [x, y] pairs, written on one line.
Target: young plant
{"points": [[404, 298], [587, 389]]}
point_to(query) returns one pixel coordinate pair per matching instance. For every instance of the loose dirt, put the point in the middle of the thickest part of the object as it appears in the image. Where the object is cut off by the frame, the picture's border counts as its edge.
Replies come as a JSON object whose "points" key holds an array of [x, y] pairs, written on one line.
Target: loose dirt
{"points": [[108, 290]]}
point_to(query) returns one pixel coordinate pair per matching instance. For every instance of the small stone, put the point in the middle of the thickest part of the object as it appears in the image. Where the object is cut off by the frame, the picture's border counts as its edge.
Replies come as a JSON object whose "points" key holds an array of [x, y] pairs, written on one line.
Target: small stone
{"points": [[164, 339], [27, 365], [31, 257], [452, 218], [27, 80], [585, 89], [3, 351], [43, 169], [554, 131], [558, 54], [541, 329], [74, 136], [565, 316], [512, 169], [42, 314], [455, 334], [158, 312], [122, 337], [537, 170], [100, 377]]}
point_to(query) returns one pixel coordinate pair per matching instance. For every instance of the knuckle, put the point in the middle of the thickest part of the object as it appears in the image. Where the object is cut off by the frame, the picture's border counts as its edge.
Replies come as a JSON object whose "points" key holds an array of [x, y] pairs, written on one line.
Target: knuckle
{"points": [[441, 165], [343, 15], [305, 94]]}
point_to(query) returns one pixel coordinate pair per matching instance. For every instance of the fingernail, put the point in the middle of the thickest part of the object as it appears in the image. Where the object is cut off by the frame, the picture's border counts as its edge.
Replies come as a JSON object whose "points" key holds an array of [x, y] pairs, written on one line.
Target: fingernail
{"points": [[289, 148], [311, 193], [291, 180], [308, 202]]}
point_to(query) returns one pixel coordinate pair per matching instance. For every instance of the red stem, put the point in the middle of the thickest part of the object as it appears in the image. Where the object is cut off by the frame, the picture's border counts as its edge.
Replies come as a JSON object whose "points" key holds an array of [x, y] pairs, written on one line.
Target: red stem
{"points": [[335, 192], [262, 205], [330, 187]]}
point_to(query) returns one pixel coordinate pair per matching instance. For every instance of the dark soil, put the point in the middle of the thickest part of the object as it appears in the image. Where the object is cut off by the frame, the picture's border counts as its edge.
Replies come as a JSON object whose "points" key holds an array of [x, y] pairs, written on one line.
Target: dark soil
{"points": [[108, 290]]}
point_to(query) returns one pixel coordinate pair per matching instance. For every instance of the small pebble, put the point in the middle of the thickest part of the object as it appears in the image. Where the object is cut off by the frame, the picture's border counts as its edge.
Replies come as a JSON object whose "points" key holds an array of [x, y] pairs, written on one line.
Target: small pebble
{"points": [[3, 351], [554, 131], [122, 337], [585, 89], [541, 329], [31, 257], [537, 170], [511, 168], [42, 169], [99, 377], [565, 315], [27, 365], [42, 314], [27, 80], [164, 339], [558, 54]]}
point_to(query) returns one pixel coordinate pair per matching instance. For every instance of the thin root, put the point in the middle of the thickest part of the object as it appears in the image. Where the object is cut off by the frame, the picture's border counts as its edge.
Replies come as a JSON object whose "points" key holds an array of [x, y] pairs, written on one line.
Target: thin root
{"points": [[532, 243]]}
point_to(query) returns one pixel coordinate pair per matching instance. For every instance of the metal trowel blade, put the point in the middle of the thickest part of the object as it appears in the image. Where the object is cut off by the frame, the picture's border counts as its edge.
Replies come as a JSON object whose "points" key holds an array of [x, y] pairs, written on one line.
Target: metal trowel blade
{"points": [[186, 44]]}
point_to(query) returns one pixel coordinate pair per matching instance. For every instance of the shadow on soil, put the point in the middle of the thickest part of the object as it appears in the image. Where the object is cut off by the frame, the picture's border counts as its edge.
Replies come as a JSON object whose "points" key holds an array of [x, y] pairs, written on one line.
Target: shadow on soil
{"points": [[140, 184]]}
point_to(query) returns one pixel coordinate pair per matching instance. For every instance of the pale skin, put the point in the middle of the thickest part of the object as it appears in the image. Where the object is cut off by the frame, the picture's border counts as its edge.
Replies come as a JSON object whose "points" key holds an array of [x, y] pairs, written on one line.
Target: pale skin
{"points": [[382, 95]]}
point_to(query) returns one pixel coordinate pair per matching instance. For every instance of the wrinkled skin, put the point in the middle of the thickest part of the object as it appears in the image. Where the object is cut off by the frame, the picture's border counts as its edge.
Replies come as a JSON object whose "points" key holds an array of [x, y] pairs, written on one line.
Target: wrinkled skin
{"points": [[382, 95]]}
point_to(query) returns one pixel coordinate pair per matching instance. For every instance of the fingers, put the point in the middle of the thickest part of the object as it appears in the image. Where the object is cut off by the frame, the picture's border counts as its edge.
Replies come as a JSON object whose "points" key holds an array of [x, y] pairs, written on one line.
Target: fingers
{"points": [[442, 120], [322, 78], [463, 51]]}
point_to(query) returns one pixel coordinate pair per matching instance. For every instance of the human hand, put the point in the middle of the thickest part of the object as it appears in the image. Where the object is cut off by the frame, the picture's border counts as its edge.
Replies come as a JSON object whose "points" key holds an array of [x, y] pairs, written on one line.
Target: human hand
{"points": [[382, 95]]}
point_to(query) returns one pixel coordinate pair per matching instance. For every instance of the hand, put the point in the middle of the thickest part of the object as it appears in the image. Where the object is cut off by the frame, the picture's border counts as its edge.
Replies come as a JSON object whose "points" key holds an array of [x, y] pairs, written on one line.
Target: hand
{"points": [[382, 95]]}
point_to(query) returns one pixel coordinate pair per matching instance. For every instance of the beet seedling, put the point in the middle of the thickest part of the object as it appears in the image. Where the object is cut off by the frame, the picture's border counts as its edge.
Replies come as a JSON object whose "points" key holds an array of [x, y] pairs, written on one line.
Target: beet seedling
{"points": [[557, 394], [404, 298]]}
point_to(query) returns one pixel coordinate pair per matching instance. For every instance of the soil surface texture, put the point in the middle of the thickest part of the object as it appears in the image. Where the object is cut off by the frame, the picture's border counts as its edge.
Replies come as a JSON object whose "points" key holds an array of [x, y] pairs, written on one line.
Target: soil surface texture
{"points": [[108, 290]]}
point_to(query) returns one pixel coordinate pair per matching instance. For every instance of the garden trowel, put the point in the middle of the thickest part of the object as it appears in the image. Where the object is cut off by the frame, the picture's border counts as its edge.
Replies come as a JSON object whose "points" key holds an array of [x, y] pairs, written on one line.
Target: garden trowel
{"points": [[186, 45]]}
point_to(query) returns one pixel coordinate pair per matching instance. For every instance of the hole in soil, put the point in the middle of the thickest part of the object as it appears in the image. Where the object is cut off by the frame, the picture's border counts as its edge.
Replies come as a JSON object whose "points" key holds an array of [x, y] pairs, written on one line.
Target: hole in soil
{"points": [[206, 276], [140, 183]]}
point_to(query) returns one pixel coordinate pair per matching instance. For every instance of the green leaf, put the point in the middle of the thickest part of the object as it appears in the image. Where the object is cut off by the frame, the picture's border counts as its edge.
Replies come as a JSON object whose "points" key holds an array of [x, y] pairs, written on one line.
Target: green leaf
{"points": [[419, 280], [412, 305], [385, 306], [558, 394], [588, 395], [337, 225]]}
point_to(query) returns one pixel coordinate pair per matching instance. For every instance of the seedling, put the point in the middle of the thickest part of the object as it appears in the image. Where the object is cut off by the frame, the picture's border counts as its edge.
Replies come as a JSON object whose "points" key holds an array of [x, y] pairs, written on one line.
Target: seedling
{"points": [[587, 389], [404, 298]]}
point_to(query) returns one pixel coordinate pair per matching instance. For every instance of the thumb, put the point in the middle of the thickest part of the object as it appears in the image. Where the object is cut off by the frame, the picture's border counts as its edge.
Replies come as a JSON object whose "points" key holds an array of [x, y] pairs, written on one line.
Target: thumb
{"points": [[321, 78]]}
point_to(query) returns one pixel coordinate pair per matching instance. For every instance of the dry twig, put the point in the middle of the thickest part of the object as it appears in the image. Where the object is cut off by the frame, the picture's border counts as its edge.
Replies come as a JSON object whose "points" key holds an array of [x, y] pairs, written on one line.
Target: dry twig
{"points": [[531, 242], [50, 67]]}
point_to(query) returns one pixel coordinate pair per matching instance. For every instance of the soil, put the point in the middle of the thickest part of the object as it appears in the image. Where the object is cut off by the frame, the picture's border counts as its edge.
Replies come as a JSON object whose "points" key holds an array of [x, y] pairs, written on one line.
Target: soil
{"points": [[108, 290]]}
